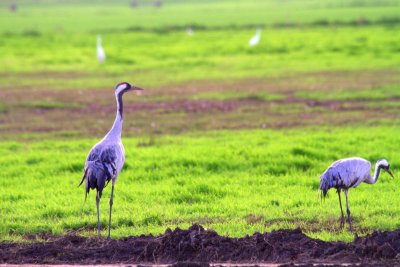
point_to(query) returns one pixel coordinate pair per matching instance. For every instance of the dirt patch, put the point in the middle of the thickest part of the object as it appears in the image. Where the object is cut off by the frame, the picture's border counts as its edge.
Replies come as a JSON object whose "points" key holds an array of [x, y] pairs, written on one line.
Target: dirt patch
{"points": [[313, 81], [200, 245], [188, 106], [198, 106]]}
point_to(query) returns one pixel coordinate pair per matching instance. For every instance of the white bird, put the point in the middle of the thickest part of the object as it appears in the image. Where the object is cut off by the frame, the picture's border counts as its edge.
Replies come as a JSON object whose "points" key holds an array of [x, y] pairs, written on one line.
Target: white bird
{"points": [[106, 158], [256, 38], [189, 31], [348, 173], [101, 55]]}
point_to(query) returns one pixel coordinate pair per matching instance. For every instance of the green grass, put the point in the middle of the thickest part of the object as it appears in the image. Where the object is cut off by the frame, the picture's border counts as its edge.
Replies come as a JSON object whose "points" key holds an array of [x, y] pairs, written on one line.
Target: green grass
{"points": [[53, 42], [381, 93], [3, 108], [236, 182], [213, 95], [50, 105], [152, 59], [95, 16]]}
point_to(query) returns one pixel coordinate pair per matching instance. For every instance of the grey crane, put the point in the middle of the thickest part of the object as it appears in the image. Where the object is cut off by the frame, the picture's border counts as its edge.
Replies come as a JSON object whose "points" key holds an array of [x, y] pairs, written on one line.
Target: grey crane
{"points": [[106, 158], [348, 173]]}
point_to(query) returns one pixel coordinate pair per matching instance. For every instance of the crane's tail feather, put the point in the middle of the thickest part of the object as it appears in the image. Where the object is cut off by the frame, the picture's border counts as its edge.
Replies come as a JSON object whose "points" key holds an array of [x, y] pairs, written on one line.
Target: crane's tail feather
{"points": [[97, 175], [329, 179], [87, 188], [83, 177]]}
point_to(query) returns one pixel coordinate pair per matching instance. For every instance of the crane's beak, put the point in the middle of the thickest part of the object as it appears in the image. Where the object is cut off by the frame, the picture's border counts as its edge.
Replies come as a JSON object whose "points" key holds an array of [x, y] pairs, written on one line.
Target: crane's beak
{"points": [[390, 173], [134, 88]]}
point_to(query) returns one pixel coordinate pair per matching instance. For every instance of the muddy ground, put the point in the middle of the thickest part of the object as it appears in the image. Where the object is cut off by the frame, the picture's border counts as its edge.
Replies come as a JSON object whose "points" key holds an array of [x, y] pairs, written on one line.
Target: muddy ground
{"points": [[200, 245], [206, 105]]}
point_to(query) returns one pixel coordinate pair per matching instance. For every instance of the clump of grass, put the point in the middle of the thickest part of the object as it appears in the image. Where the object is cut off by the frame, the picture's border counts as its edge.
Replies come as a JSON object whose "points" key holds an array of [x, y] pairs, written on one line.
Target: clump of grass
{"points": [[31, 33], [254, 219], [51, 105], [3, 108], [230, 95], [388, 91]]}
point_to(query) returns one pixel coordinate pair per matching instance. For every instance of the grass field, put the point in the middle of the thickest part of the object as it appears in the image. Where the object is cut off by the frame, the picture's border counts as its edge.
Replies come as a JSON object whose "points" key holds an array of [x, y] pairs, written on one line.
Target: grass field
{"points": [[208, 55], [109, 16], [225, 135], [236, 182]]}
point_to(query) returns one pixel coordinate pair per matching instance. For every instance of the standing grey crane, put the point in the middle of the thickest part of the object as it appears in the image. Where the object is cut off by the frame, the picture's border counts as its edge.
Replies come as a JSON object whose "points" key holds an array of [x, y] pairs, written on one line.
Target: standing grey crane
{"points": [[347, 173], [106, 158]]}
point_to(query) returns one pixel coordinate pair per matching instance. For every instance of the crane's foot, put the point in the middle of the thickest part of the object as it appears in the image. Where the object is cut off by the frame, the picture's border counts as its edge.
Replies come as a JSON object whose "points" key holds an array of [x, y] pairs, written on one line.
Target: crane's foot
{"points": [[350, 227], [342, 221]]}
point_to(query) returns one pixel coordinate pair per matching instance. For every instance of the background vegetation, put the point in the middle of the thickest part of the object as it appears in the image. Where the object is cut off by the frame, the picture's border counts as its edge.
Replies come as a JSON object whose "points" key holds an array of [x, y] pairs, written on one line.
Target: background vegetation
{"points": [[226, 135]]}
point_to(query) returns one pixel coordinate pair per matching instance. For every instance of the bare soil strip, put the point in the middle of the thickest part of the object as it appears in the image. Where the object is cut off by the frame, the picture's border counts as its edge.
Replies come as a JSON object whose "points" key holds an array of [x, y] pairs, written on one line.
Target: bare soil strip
{"points": [[199, 247], [195, 106]]}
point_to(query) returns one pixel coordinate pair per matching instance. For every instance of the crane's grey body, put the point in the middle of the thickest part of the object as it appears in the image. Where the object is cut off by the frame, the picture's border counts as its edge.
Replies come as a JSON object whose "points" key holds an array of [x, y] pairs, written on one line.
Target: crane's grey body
{"points": [[104, 163], [347, 173], [106, 158]]}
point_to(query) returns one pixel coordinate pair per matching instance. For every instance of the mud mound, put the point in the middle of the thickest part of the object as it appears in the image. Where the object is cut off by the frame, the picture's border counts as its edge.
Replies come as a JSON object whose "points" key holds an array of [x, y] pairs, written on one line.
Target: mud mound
{"points": [[198, 245]]}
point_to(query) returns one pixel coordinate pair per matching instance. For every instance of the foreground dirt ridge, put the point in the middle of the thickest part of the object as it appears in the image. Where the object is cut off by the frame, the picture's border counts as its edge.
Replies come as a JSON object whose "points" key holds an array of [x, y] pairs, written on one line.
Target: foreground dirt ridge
{"points": [[197, 244]]}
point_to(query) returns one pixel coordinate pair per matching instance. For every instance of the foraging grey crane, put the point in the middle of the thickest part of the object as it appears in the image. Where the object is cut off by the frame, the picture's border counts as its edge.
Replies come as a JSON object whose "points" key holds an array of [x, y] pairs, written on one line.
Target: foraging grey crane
{"points": [[348, 173], [101, 55], [106, 158]]}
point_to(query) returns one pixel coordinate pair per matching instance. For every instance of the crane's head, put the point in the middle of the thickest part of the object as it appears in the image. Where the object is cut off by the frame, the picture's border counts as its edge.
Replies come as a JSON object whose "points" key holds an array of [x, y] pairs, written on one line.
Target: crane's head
{"points": [[384, 164], [124, 87]]}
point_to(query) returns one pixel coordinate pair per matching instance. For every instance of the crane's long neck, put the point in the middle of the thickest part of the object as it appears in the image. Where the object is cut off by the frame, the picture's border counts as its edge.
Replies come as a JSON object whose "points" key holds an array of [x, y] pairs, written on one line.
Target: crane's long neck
{"points": [[116, 129], [374, 179]]}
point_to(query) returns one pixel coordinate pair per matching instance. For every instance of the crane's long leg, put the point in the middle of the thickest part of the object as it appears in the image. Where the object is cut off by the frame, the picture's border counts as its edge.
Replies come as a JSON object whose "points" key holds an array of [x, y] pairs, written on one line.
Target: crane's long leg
{"points": [[341, 209], [111, 203], [347, 207], [98, 213]]}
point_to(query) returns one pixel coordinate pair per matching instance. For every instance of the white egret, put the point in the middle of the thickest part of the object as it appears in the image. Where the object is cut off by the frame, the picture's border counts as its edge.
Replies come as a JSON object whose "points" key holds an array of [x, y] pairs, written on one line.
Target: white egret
{"points": [[256, 38], [101, 55]]}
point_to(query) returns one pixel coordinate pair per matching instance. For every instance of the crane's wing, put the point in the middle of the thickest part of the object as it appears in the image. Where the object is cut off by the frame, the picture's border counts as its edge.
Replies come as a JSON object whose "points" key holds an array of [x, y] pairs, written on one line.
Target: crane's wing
{"points": [[344, 173], [100, 166], [330, 178]]}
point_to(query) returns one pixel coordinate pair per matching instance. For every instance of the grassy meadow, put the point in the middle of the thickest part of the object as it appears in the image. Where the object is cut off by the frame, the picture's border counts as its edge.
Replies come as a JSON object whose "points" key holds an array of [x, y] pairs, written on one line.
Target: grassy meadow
{"points": [[236, 182], [207, 55], [226, 135]]}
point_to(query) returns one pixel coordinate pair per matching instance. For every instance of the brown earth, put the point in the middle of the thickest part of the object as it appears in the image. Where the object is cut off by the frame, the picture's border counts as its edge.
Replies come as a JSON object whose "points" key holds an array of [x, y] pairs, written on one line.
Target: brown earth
{"points": [[193, 106], [199, 245]]}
